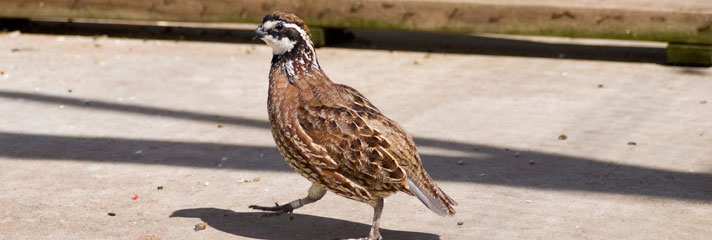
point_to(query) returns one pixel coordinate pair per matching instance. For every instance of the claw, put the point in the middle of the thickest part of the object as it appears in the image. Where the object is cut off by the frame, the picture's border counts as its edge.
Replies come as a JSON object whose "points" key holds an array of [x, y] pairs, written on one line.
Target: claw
{"points": [[276, 210]]}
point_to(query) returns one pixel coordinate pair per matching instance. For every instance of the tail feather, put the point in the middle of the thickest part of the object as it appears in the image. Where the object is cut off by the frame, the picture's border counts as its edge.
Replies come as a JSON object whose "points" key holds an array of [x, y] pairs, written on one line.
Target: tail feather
{"points": [[433, 198]]}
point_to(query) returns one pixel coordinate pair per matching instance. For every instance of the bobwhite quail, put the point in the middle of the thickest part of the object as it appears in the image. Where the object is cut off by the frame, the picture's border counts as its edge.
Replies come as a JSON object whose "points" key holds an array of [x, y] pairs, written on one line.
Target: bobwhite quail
{"points": [[332, 135]]}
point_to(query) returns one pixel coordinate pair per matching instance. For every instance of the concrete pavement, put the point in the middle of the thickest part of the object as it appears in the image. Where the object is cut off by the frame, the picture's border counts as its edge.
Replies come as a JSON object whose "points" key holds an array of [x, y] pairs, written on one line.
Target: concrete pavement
{"points": [[86, 123]]}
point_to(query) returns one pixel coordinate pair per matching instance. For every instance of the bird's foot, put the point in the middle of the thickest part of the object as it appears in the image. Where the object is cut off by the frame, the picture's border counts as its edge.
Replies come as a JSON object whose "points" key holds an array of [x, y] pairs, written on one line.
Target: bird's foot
{"points": [[276, 210]]}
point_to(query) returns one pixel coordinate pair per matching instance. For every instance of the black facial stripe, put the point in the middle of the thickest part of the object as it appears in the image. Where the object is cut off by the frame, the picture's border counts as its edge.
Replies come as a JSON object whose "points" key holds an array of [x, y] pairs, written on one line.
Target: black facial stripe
{"points": [[274, 34], [292, 33], [288, 32]]}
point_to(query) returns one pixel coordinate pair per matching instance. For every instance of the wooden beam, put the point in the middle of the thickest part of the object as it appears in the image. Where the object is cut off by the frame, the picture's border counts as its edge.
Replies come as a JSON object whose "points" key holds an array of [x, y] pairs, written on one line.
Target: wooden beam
{"points": [[654, 20], [689, 54]]}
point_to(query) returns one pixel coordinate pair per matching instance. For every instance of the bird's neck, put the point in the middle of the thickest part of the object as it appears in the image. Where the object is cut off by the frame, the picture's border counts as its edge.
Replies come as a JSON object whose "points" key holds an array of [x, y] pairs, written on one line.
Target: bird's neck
{"points": [[298, 64]]}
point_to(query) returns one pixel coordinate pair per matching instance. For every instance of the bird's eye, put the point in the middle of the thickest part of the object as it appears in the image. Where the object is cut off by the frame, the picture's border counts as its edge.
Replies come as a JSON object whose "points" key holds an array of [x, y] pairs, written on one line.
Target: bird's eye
{"points": [[279, 26]]}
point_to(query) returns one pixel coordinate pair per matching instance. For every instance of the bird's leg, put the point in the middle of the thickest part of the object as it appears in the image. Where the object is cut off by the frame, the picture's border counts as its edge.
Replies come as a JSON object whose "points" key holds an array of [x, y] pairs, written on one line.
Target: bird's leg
{"points": [[377, 209], [316, 192], [375, 234]]}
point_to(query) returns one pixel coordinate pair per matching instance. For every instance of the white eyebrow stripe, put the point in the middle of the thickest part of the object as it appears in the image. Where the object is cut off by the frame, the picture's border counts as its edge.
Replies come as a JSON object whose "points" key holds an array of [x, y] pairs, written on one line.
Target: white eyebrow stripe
{"points": [[269, 25], [299, 29]]}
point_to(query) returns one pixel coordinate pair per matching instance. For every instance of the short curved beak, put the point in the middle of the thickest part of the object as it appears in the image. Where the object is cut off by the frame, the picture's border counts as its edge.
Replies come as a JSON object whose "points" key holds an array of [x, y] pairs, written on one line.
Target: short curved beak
{"points": [[259, 33]]}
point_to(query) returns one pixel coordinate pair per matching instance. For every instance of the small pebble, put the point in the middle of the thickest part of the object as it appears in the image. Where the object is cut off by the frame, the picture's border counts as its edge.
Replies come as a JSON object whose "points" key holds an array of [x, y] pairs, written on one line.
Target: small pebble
{"points": [[69, 90], [532, 162], [159, 187], [600, 85], [112, 214], [562, 137], [200, 226], [460, 162], [460, 223], [220, 125], [632, 143], [703, 102], [517, 154]]}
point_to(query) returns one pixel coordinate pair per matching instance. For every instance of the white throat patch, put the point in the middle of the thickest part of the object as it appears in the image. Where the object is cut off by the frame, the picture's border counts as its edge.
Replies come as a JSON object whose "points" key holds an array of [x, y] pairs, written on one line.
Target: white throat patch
{"points": [[279, 46]]}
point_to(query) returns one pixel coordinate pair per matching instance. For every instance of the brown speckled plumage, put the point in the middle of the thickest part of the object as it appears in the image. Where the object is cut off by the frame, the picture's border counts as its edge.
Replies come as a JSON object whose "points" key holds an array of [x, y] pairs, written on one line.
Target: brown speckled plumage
{"points": [[332, 135]]}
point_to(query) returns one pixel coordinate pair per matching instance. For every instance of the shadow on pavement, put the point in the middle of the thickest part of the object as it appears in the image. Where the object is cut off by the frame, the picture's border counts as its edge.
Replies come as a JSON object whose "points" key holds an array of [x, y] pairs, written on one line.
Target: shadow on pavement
{"points": [[250, 225], [490, 165], [136, 109], [480, 163], [359, 39]]}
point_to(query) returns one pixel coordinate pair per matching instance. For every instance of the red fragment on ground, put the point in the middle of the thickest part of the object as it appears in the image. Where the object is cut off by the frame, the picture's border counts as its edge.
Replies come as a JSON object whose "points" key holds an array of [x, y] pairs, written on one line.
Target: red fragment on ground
{"points": [[135, 196]]}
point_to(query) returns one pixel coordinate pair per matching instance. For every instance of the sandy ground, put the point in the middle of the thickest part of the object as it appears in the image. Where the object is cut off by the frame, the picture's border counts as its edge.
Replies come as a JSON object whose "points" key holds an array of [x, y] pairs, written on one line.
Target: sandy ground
{"points": [[86, 123]]}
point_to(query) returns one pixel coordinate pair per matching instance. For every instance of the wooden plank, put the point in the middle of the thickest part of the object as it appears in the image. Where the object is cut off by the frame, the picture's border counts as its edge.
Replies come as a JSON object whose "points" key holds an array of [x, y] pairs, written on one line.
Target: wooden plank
{"points": [[689, 54], [669, 5], [662, 20]]}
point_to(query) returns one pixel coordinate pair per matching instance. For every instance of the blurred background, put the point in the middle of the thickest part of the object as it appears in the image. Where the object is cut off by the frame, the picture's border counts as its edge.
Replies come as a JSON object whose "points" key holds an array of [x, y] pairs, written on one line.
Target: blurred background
{"points": [[439, 26]]}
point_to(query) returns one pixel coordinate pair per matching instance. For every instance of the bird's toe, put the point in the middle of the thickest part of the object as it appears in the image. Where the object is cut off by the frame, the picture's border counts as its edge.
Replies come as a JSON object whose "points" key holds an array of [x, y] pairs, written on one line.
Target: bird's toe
{"points": [[276, 210]]}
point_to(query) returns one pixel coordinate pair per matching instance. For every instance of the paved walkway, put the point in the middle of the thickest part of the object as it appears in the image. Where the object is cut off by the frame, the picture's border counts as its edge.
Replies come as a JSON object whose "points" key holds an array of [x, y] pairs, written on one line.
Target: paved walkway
{"points": [[89, 124]]}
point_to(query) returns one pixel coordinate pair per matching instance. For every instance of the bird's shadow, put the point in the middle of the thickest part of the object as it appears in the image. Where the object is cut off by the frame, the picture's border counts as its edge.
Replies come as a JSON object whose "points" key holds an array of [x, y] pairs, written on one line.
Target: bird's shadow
{"points": [[250, 225]]}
